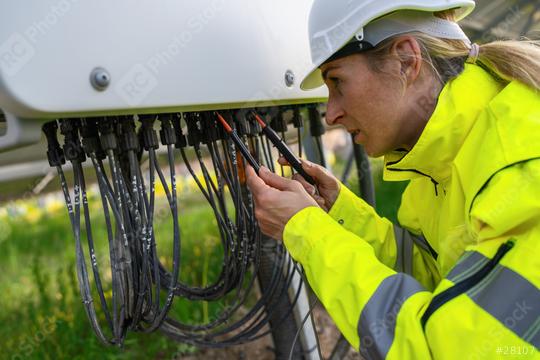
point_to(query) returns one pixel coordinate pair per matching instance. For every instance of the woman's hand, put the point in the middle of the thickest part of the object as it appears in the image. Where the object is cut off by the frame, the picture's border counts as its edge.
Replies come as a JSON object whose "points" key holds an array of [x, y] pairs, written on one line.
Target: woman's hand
{"points": [[327, 184], [277, 200]]}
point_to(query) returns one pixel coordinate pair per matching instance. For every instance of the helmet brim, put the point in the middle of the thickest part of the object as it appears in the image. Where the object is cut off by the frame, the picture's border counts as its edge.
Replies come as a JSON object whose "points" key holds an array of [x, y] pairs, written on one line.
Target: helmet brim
{"points": [[313, 81]]}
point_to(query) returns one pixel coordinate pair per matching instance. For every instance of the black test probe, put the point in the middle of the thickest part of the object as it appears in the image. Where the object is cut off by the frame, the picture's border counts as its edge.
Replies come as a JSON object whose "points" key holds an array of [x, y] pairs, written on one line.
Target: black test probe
{"points": [[284, 149]]}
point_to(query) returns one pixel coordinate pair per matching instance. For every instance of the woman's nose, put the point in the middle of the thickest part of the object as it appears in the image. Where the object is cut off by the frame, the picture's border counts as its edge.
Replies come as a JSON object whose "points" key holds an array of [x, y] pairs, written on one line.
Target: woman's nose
{"points": [[333, 112]]}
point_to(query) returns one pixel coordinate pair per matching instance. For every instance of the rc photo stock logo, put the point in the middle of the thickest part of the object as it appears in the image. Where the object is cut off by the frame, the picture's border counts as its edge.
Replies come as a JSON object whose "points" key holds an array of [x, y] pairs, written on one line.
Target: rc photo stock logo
{"points": [[15, 53], [136, 85], [19, 48], [141, 79]]}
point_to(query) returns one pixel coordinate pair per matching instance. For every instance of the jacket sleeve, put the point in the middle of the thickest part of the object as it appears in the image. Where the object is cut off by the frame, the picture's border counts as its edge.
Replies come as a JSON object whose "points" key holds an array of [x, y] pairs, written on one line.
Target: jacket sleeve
{"points": [[394, 245], [384, 313]]}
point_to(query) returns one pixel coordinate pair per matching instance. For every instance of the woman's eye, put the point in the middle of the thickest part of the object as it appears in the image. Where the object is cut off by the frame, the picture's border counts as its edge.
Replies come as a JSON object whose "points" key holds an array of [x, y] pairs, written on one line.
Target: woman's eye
{"points": [[335, 80]]}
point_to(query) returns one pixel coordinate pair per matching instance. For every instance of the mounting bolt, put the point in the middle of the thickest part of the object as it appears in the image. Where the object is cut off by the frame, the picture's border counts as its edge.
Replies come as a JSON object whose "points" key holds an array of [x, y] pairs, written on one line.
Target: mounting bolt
{"points": [[100, 79], [289, 78]]}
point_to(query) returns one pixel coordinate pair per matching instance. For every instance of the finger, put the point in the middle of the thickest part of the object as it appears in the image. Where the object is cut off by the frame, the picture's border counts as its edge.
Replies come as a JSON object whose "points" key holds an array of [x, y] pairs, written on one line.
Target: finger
{"points": [[311, 190], [283, 162], [318, 172], [320, 201], [275, 180], [254, 182]]}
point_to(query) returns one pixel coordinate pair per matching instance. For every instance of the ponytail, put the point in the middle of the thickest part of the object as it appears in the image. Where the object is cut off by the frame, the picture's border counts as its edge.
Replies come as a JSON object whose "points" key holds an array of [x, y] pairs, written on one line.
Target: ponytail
{"points": [[513, 60]]}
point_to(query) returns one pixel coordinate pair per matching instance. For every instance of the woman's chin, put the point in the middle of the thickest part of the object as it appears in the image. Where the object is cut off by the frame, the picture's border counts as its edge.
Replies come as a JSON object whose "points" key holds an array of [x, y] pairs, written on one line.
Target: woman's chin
{"points": [[372, 151], [361, 139]]}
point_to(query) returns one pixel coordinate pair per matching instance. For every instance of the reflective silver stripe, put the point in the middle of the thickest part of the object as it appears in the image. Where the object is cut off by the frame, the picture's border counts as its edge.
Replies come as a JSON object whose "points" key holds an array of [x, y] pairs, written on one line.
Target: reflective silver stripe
{"points": [[512, 300], [405, 242], [470, 263], [398, 234], [377, 324], [419, 240], [404, 250], [533, 335], [408, 254]]}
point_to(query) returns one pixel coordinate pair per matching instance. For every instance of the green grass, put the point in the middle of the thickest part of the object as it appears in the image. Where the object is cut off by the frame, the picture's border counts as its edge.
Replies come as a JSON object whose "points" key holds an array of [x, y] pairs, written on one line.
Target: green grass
{"points": [[40, 308]]}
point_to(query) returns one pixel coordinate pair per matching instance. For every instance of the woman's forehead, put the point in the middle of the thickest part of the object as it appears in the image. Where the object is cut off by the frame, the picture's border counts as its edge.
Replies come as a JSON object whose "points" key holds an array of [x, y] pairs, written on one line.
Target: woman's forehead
{"points": [[345, 62]]}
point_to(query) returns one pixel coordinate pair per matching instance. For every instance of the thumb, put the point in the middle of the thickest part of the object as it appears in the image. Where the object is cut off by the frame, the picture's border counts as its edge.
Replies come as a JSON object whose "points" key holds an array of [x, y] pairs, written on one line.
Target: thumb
{"points": [[275, 180], [254, 182], [311, 189], [319, 173]]}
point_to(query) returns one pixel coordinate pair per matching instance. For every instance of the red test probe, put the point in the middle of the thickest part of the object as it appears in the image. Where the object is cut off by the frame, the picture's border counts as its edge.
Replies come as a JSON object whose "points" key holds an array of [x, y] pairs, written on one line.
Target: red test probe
{"points": [[239, 144]]}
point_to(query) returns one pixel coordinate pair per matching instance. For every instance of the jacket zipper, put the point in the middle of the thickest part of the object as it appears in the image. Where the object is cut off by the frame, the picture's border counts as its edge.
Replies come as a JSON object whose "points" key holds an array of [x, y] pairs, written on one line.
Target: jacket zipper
{"points": [[435, 183], [465, 285]]}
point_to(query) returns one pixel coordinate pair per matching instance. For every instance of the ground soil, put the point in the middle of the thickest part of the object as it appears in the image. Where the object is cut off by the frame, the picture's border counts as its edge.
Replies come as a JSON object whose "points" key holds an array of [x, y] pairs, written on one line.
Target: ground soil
{"points": [[262, 349]]}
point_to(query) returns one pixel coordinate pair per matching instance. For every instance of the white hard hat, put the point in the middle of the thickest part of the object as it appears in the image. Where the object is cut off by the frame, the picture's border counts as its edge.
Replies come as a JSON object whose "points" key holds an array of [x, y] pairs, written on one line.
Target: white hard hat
{"points": [[341, 27]]}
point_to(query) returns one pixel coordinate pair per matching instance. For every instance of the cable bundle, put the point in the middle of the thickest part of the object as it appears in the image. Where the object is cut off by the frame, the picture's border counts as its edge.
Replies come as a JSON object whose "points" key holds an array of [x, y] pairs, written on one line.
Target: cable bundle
{"points": [[143, 289]]}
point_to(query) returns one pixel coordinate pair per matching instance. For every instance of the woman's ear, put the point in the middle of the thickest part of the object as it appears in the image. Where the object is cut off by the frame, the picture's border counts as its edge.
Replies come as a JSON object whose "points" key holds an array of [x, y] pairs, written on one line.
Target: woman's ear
{"points": [[407, 50]]}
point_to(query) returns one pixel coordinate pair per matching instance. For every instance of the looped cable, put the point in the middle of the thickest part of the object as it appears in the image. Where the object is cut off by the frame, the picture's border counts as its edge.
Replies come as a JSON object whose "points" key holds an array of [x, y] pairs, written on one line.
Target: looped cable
{"points": [[142, 289]]}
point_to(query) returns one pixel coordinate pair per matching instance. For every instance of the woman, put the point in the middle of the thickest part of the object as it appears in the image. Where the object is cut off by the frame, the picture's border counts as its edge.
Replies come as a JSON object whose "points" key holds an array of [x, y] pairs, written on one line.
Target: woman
{"points": [[459, 276]]}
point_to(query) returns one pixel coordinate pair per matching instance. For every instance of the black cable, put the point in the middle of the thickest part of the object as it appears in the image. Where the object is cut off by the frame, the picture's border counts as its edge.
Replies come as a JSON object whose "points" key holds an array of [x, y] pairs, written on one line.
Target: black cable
{"points": [[300, 145], [281, 166], [143, 290], [320, 149]]}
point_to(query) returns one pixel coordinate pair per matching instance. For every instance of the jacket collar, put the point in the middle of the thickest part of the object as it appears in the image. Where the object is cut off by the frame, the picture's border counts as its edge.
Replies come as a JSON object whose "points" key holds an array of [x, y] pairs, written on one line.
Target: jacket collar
{"points": [[459, 104]]}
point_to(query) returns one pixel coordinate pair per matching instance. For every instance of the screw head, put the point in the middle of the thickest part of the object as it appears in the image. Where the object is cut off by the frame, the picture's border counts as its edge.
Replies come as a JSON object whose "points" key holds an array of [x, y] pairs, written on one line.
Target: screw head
{"points": [[289, 78], [100, 79]]}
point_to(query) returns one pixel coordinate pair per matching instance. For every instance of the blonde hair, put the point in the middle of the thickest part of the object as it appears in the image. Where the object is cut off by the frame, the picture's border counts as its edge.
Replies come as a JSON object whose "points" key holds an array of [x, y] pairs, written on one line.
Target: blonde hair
{"points": [[507, 60]]}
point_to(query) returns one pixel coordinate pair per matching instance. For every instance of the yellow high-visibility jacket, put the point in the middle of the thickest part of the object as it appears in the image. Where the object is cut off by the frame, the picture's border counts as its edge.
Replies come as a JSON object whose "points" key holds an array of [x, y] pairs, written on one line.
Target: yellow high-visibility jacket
{"points": [[459, 277]]}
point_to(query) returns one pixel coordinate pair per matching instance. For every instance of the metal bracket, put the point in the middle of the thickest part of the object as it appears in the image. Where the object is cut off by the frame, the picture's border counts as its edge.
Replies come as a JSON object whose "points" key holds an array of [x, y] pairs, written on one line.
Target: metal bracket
{"points": [[20, 132]]}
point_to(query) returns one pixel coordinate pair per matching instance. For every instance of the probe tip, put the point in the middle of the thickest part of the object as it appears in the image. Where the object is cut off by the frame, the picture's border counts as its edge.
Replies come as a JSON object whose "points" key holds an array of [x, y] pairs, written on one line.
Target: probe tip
{"points": [[224, 123], [259, 120]]}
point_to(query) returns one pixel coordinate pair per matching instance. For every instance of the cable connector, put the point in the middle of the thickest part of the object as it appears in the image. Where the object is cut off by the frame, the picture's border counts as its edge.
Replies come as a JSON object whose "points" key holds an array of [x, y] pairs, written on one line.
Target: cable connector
{"points": [[244, 123], [297, 119], [209, 127], [242, 126], [167, 135], [254, 127], [130, 141], [73, 150], [316, 126], [55, 155], [108, 138], [194, 133], [90, 138], [278, 122], [149, 137], [181, 141]]}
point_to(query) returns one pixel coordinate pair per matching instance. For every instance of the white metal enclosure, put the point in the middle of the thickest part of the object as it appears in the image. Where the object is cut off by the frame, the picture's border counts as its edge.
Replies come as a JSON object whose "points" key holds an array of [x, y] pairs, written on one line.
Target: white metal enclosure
{"points": [[154, 57]]}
